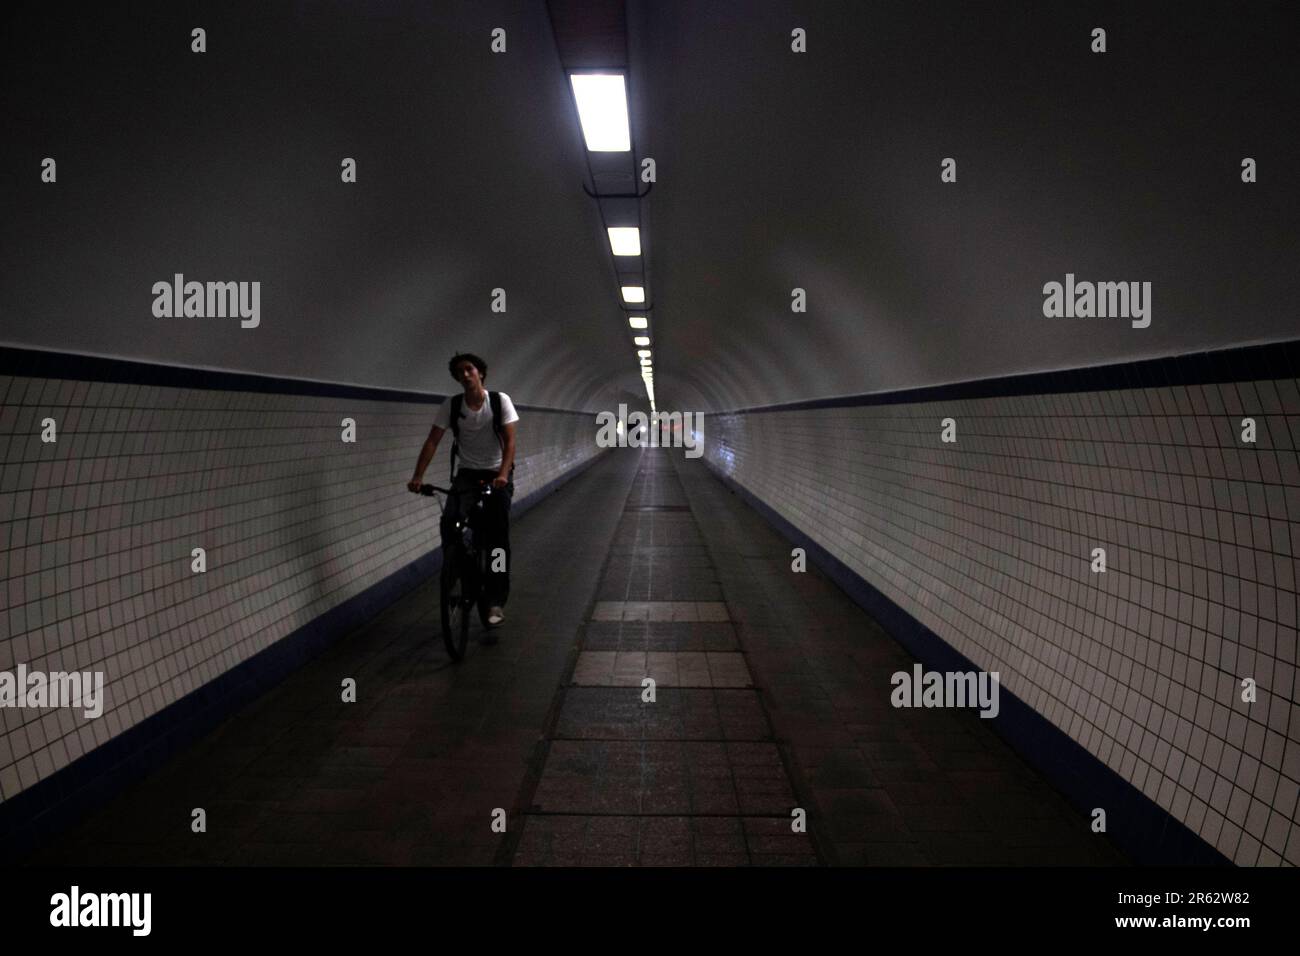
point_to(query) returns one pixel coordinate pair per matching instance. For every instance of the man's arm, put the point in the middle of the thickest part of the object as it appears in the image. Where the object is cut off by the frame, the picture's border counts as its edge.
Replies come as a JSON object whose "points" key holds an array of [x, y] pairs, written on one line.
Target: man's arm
{"points": [[426, 456], [507, 456]]}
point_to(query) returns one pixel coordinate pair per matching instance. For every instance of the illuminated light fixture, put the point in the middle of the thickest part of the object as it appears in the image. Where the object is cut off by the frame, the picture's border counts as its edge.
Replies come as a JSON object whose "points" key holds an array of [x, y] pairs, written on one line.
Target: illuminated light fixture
{"points": [[625, 240], [633, 293], [645, 360], [644, 353], [641, 340], [636, 321], [602, 109]]}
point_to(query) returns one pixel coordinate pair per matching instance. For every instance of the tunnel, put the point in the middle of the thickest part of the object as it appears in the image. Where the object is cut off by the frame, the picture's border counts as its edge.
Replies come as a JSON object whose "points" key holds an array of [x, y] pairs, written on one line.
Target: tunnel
{"points": [[892, 408]]}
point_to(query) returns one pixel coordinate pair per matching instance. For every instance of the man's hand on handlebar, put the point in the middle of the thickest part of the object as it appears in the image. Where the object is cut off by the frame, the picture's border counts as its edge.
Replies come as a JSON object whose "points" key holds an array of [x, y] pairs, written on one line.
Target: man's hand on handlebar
{"points": [[415, 486]]}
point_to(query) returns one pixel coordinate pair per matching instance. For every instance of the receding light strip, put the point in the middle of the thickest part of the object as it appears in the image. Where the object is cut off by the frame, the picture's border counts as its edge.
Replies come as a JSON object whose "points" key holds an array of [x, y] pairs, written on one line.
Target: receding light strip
{"points": [[602, 110], [625, 240]]}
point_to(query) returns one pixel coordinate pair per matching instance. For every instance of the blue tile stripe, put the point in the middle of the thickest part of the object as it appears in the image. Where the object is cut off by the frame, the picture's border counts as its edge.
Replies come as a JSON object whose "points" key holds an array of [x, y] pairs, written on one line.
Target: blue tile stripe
{"points": [[1135, 823], [37, 814], [38, 363], [1274, 360]]}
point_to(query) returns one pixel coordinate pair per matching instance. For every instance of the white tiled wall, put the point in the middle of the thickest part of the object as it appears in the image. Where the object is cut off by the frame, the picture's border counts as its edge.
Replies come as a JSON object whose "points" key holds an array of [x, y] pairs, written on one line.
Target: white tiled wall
{"points": [[96, 533], [988, 542]]}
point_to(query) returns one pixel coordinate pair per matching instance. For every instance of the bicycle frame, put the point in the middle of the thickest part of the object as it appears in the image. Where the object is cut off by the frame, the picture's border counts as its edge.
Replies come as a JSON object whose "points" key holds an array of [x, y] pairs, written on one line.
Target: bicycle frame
{"points": [[476, 507], [462, 571]]}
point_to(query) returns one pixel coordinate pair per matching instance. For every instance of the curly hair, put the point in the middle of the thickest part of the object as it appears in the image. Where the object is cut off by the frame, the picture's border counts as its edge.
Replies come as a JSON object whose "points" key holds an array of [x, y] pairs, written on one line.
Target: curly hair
{"points": [[471, 357]]}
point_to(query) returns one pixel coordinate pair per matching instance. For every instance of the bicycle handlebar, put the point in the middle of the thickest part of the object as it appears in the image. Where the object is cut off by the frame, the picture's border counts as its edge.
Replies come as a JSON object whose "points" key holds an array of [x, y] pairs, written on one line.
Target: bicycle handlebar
{"points": [[428, 490]]}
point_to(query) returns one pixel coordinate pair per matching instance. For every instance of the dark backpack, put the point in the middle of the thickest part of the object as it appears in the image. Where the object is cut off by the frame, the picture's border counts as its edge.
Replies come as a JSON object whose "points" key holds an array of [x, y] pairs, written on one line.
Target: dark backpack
{"points": [[457, 402]]}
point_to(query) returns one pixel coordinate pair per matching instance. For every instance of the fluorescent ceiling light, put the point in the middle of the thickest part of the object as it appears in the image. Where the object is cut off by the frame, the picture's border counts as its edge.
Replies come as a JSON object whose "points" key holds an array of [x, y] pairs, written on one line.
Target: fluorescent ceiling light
{"points": [[636, 321], [641, 340], [644, 353], [602, 109], [625, 240], [633, 293], [645, 360]]}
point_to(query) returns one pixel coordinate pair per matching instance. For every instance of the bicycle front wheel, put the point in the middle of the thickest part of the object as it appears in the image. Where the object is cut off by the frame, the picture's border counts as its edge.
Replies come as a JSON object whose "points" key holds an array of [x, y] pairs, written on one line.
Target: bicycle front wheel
{"points": [[455, 609]]}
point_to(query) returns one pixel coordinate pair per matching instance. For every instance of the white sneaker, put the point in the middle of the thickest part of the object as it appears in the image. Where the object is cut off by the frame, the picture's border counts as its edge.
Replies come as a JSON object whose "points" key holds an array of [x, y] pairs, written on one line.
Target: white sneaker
{"points": [[496, 616]]}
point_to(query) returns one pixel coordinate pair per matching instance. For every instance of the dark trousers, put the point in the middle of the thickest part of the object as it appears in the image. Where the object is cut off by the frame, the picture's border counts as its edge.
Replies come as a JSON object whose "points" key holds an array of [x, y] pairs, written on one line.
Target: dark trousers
{"points": [[491, 530]]}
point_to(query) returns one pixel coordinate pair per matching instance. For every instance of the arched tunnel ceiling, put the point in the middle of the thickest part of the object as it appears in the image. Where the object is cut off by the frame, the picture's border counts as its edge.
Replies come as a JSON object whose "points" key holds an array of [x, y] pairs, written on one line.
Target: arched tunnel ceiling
{"points": [[822, 171], [776, 170], [226, 166]]}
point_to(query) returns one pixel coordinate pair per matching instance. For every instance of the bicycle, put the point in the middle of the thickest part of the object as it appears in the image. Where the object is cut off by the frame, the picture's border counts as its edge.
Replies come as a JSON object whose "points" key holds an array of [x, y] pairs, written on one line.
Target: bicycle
{"points": [[464, 572]]}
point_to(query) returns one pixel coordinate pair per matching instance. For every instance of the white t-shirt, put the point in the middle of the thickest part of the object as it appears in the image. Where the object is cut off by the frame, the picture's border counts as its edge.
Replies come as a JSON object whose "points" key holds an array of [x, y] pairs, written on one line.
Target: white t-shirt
{"points": [[479, 447]]}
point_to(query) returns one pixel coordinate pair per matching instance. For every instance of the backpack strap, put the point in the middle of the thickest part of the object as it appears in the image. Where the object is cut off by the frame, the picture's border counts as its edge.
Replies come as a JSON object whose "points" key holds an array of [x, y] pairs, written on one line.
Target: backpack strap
{"points": [[494, 398], [454, 421]]}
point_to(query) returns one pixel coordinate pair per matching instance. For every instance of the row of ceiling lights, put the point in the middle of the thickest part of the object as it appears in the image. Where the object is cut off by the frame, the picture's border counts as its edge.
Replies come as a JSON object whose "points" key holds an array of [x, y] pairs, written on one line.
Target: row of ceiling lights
{"points": [[602, 110]]}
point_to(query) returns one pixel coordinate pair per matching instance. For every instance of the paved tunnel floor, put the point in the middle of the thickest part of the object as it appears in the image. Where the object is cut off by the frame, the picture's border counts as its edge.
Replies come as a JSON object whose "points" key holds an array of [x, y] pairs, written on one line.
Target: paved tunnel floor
{"points": [[771, 693]]}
